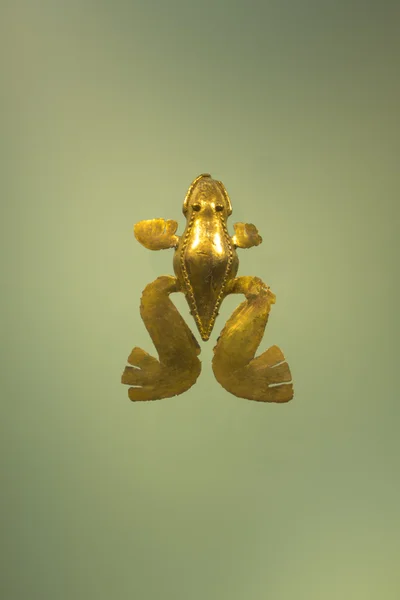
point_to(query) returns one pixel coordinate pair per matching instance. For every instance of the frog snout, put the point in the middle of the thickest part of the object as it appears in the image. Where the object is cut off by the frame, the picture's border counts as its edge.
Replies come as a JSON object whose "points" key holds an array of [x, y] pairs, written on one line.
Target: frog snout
{"points": [[208, 211]]}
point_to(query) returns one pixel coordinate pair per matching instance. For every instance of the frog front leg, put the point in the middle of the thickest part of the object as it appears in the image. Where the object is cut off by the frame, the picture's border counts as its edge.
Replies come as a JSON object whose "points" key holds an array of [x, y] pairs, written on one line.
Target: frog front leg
{"points": [[157, 234], [178, 366], [246, 235], [266, 378]]}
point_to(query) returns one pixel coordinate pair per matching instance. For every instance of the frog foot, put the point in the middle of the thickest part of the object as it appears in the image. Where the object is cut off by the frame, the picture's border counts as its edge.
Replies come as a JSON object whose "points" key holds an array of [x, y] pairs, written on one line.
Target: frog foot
{"points": [[157, 234], [152, 380], [178, 366], [266, 378]]}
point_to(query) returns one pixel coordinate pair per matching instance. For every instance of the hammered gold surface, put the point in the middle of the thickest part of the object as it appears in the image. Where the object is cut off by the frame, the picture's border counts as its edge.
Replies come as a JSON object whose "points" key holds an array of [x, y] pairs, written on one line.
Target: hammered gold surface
{"points": [[205, 264]]}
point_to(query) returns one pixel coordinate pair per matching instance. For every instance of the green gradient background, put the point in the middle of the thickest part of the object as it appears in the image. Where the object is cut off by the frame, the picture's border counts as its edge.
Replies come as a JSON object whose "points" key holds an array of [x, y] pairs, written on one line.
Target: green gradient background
{"points": [[111, 109]]}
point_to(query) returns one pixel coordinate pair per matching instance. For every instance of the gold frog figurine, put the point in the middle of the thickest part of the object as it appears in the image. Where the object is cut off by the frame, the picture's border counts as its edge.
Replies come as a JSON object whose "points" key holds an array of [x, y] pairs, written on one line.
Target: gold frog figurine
{"points": [[205, 265]]}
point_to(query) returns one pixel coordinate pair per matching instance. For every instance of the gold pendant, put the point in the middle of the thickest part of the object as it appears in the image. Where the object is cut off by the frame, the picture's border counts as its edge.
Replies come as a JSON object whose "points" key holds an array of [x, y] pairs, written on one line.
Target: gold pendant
{"points": [[205, 265]]}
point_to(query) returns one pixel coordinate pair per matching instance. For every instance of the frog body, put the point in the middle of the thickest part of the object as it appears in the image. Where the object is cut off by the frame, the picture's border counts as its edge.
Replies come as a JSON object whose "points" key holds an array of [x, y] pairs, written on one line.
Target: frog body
{"points": [[205, 264], [205, 260]]}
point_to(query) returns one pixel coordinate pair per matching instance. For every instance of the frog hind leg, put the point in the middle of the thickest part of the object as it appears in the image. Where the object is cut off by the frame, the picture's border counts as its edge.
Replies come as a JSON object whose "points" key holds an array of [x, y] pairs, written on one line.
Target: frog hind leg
{"points": [[178, 365], [266, 378]]}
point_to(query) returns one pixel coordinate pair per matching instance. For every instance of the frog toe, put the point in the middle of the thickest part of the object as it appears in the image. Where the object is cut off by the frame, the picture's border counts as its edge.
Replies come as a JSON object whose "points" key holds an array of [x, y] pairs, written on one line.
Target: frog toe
{"points": [[138, 394], [140, 358], [135, 376]]}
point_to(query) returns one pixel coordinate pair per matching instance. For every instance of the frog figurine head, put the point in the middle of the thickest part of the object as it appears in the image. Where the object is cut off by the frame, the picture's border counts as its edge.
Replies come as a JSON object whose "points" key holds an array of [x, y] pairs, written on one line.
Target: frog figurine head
{"points": [[207, 193]]}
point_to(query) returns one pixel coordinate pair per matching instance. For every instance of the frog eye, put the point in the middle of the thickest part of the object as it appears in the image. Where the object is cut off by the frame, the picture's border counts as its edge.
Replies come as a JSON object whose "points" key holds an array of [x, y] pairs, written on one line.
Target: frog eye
{"points": [[219, 207], [196, 207]]}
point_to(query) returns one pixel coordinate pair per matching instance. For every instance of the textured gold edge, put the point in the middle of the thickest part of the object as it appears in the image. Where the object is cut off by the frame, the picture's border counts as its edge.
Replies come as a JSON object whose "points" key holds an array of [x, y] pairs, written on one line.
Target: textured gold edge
{"points": [[190, 190], [226, 195], [189, 289], [223, 286]]}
